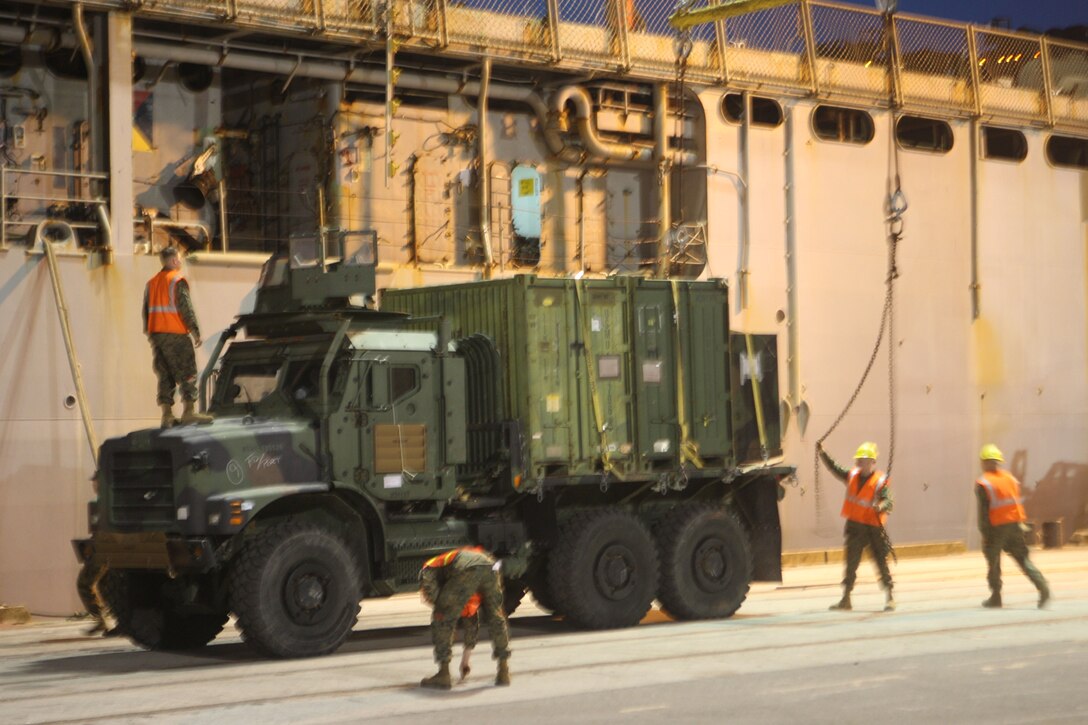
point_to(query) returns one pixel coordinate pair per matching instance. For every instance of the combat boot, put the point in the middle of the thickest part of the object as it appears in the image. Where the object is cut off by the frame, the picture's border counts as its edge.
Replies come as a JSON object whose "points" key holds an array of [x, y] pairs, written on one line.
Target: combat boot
{"points": [[889, 601], [168, 419], [994, 602], [843, 604], [439, 680], [190, 416], [1044, 595], [503, 675]]}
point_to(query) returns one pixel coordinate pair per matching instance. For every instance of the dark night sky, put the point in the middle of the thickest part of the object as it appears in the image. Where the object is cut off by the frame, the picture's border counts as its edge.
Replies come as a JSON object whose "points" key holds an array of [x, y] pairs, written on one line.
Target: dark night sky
{"points": [[1036, 14]]}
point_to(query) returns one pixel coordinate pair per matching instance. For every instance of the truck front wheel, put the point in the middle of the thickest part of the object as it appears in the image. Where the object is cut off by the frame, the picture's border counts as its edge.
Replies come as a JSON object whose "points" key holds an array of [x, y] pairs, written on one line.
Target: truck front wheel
{"points": [[603, 570], [295, 588], [706, 566], [145, 614]]}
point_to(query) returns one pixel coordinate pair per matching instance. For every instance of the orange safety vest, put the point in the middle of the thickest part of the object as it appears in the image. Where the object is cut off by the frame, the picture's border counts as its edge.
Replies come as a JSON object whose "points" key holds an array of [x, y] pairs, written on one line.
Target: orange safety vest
{"points": [[437, 562], [859, 505], [162, 303], [1003, 491]]}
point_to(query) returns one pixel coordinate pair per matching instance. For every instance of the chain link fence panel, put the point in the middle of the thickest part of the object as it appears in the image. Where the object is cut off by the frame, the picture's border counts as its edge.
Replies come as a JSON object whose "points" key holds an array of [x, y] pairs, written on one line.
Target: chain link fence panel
{"points": [[1010, 75], [418, 19], [653, 42], [1068, 83], [593, 31], [351, 16], [518, 26], [852, 51], [935, 65], [767, 47], [217, 9], [286, 14]]}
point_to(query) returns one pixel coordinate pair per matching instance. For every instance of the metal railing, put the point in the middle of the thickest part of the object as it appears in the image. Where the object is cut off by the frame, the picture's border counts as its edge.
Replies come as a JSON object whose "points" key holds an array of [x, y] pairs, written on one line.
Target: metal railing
{"points": [[831, 50], [10, 196]]}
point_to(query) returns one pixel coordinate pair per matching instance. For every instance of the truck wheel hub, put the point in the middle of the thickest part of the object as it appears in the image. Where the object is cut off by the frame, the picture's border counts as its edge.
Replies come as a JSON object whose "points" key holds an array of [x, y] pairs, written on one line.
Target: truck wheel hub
{"points": [[711, 570], [615, 572], [307, 591]]}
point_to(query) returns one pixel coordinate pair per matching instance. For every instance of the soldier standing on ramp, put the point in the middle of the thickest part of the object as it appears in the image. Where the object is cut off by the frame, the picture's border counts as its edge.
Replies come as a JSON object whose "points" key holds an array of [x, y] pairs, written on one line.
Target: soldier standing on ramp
{"points": [[169, 321], [1000, 519], [865, 508], [447, 583]]}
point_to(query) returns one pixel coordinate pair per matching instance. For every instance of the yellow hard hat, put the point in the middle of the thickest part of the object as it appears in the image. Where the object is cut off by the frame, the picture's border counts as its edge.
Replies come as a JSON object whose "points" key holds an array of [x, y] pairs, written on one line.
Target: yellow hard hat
{"points": [[990, 452], [866, 450]]}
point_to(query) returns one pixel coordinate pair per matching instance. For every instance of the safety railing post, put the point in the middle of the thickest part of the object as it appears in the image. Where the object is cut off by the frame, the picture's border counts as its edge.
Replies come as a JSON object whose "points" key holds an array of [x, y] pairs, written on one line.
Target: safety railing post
{"points": [[1048, 96], [553, 29], [810, 45], [976, 83]]}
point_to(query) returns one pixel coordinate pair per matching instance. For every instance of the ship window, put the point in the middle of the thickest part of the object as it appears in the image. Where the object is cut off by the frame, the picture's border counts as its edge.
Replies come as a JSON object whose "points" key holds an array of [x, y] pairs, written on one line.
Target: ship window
{"points": [[403, 380], [1003, 143], [765, 111], [923, 134], [845, 125], [1067, 151]]}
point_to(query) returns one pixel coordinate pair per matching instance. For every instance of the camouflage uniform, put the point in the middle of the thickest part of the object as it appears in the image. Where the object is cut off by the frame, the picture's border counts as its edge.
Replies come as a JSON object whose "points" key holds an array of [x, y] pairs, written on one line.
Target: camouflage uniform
{"points": [[1008, 538], [857, 535], [173, 358], [87, 588], [450, 587]]}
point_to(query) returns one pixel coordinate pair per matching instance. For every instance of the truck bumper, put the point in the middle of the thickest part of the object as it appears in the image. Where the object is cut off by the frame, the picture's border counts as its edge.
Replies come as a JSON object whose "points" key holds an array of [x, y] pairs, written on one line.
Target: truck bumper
{"points": [[150, 550]]}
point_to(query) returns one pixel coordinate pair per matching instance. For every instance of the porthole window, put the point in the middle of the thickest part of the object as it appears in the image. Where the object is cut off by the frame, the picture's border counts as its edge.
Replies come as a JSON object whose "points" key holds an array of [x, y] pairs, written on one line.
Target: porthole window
{"points": [[923, 134], [765, 111], [845, 125], [1067, 151], [1003, 143]]}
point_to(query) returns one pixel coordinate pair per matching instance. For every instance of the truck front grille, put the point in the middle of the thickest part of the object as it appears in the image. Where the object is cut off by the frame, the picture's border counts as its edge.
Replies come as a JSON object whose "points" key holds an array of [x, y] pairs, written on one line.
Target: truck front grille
{"points": [[141, 488]]}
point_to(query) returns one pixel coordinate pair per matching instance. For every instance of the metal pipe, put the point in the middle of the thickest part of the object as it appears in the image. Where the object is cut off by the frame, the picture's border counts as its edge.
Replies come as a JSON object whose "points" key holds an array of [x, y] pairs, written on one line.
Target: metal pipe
{"points": [[70, 348], [107, 228], [223, 236], [485, 173], [579, 196], [664, 176], [793, 307], [92, 82], [973, 151], [744, 250]]}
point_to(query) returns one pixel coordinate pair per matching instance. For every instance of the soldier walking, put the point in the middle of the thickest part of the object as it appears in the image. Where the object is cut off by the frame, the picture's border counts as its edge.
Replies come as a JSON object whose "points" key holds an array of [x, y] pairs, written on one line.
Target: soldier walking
{"points": [[169, 321], [865, 508], [448, 583], [1001, 520]]}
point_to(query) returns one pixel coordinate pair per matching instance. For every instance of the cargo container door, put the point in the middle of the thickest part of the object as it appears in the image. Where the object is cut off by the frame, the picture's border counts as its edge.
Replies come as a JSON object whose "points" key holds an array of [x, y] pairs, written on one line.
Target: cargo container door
{"points": [[704, 334], [654, 370], [603, 360], [550, 397]]}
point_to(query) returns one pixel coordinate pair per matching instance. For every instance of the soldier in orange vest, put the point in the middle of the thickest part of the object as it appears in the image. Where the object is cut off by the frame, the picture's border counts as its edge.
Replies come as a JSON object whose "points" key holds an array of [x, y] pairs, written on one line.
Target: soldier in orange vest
{"points": [[1001, 520], [169, 321], [865, 508], [448, 582]]}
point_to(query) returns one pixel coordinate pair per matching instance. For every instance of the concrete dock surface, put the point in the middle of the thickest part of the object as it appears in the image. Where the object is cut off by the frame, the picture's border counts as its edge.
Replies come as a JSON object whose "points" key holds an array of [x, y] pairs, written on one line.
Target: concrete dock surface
{"points": [[783, 658]]}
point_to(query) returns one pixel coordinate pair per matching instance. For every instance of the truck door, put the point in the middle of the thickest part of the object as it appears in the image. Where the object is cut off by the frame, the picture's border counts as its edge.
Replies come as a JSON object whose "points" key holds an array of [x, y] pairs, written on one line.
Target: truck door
{"points": [[400, 432]]}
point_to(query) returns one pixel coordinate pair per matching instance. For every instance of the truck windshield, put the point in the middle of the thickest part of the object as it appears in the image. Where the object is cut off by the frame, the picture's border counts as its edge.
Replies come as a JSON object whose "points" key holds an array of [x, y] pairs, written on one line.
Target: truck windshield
{"points": [[285, 387]]}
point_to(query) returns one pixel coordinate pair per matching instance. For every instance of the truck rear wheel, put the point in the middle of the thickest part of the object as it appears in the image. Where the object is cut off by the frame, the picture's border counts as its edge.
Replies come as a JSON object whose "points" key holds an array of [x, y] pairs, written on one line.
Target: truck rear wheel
{"points": [[603, 572], [295, 589], [706, 565], [147, 617]]}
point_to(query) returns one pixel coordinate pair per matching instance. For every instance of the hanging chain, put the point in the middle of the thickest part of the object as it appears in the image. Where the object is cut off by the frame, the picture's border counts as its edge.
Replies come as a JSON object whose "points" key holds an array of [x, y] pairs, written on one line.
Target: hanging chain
{"points": [[896, 207]]}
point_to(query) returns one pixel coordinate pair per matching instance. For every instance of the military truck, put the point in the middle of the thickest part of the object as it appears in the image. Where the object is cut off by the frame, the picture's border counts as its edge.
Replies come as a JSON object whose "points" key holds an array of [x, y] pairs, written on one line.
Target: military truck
{"points": [[614, 424]]}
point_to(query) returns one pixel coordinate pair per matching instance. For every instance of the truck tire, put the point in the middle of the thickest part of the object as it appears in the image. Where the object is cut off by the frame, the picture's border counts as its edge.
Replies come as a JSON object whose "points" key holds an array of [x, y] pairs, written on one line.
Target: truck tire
{"points": [[295, 588], [147, 618], [603, 572], [706, 565], [537, 581]]}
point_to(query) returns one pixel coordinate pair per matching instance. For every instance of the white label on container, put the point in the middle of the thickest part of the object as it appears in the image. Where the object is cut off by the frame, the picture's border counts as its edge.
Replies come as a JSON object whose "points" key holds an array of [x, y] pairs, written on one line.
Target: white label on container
{"points": [[595, 324], [551, 403], [394, 480]]}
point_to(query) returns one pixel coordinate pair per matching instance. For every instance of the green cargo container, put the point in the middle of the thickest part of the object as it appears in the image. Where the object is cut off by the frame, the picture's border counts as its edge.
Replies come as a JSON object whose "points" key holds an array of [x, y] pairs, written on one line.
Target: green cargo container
{"points": [[626, 376]]}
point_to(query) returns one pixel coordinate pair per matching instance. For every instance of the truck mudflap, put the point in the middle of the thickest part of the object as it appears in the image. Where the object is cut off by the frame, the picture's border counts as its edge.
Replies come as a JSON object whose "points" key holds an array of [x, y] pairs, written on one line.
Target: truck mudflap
{"points": [[757, 498], [147, 550]]}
